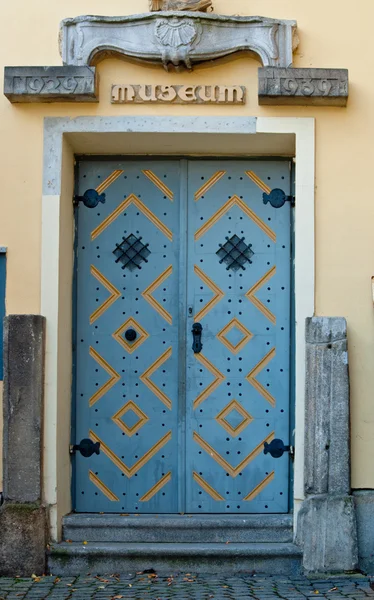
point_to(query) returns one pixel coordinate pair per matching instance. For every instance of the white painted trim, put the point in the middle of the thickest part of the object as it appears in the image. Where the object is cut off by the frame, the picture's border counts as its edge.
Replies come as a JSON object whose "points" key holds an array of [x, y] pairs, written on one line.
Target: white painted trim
{"points": [[49, 309], [55, 129]]}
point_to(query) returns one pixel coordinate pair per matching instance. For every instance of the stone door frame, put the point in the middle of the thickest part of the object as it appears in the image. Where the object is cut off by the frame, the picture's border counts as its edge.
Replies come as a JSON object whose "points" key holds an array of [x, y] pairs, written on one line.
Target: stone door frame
{"points": [[65, 137]]}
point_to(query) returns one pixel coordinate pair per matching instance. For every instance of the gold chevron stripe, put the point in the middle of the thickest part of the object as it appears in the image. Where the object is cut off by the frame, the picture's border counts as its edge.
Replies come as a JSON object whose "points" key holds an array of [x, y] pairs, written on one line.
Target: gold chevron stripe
{"points": [[265, 188], [114, 377], [209, 184], [102, 487], [206, 487], [233, 471], [258, 489], [235, 201], [160, 184], [132, 199], [156, 488], [114, 294], [219, 378], [218, 294], [130, 471], [255, 301], [108, 181], [147, 295], [145, 378], [258, 368]]}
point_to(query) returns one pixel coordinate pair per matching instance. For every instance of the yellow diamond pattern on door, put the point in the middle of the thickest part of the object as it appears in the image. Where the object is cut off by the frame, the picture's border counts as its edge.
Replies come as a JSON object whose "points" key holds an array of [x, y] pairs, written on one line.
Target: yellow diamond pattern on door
{"points": [[238, 392], [182, 423], [127, 337]]}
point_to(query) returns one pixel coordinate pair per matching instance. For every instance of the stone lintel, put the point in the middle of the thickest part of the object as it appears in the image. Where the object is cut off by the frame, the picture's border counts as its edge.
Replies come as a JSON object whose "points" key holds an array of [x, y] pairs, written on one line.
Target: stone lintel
{"points": [[327, 422], [51, 84], [23, 407], [316, 87]]}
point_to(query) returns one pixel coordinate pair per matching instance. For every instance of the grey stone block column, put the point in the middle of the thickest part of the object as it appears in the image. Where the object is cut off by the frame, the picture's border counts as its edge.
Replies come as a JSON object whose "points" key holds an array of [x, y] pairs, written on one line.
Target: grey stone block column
{"points": [[22, 517], [327, 528]]}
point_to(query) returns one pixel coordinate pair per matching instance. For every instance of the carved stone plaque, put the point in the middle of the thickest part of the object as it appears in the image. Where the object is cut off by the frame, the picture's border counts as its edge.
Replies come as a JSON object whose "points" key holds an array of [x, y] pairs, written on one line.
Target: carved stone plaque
{"points": [[320, 87], [178, 94], [47, 84]]}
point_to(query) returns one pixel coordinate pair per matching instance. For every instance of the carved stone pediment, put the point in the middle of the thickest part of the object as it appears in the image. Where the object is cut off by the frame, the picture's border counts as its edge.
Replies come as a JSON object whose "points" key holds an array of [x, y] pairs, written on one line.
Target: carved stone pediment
{"points": [[177, 38], [181, 39]]}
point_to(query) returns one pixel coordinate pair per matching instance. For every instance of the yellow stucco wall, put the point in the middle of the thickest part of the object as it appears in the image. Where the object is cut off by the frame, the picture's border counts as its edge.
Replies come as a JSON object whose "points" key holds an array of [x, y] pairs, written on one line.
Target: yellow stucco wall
{"points": [[329, 37]]}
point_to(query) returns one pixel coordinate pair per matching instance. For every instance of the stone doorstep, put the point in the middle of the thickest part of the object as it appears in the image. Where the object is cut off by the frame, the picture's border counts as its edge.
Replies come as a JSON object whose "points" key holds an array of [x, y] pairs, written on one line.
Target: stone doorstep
{"points": [[77, 558], [178, 528]]}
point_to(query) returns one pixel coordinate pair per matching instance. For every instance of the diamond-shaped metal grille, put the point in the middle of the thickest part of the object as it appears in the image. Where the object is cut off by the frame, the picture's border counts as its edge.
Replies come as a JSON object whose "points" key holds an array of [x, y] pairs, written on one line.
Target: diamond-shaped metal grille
{"points": [[235, 253], [131, 252]]}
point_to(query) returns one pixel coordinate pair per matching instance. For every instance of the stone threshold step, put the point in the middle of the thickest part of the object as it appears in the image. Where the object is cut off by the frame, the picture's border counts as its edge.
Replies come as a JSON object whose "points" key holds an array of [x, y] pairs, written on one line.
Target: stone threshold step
{"points": [[100, 558], [178, 528]]}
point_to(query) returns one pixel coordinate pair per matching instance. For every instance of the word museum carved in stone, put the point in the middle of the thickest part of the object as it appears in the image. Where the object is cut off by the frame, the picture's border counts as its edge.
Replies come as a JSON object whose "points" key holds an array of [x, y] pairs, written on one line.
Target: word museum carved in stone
{"points": [[178, 94]]}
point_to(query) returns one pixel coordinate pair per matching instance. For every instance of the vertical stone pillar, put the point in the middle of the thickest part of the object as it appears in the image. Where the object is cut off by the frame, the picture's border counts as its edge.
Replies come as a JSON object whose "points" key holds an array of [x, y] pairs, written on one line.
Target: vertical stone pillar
{"points": [[22, 517], [327, 528]]}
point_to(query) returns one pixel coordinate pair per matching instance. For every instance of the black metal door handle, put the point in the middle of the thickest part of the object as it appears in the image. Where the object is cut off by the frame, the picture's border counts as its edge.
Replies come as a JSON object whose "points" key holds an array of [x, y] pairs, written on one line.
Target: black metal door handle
{"points": [[197, 329], [86, 447], [276, 448]]}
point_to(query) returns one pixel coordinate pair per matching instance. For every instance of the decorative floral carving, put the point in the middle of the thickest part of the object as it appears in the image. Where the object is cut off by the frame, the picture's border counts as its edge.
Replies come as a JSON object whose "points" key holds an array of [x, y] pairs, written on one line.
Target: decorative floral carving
{"points": [[195, 5]]}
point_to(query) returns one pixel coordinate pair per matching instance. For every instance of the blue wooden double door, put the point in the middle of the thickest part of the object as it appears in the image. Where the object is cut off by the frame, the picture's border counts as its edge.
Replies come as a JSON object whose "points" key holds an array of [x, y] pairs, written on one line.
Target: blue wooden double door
{"points": [[183, 287]]}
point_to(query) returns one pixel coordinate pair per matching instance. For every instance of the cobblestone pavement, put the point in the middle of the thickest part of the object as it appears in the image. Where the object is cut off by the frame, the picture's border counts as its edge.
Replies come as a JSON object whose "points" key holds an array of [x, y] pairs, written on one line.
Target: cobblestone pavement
{"points": [[149, 586]]}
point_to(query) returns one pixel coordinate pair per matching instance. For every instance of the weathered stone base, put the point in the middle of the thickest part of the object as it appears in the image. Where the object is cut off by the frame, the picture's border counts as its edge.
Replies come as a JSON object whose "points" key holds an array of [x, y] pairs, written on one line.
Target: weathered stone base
{"points": [[327, 532], [364, 503], [23, 540]]}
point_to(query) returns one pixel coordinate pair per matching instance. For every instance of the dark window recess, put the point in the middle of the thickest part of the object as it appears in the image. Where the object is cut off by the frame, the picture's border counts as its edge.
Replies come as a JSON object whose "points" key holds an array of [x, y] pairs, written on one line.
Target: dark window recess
{"points": [[131, 252], [235, 253]]}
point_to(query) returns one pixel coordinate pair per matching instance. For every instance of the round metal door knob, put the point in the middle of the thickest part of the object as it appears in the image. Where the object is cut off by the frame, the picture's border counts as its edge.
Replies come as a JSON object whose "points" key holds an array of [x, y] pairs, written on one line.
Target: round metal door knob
{"points": [[130, 335]]}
